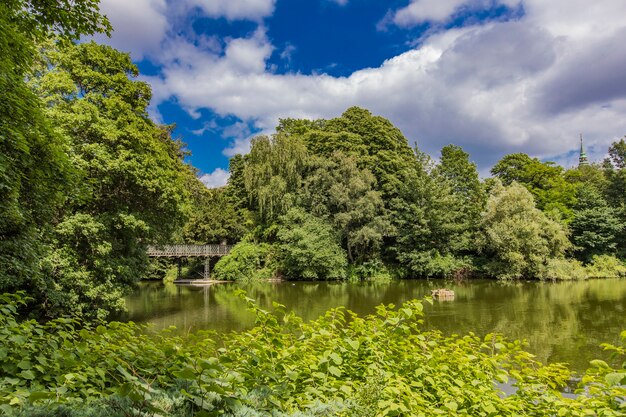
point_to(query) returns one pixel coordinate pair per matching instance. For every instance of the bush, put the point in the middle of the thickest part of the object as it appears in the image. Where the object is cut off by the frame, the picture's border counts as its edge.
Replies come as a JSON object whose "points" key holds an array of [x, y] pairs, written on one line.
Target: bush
{"points": [[432, 264], [606, 266], [563, 269], [309, 248], [246, 261]]}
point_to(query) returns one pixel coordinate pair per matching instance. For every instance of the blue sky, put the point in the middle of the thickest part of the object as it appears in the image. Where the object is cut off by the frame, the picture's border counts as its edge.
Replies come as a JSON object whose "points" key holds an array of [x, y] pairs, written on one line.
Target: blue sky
{"points": [[494, 76]]}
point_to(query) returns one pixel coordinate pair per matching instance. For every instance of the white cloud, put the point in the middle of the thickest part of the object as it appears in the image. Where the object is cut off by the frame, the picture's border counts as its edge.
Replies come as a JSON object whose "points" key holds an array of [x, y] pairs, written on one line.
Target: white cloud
{"points": [[419, 11], [235, 9], [520, 86], [139, 25], [215, 179]]}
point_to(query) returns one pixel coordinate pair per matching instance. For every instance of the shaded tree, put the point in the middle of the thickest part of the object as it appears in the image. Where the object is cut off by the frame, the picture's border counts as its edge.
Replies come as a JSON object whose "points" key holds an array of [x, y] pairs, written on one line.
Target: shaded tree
{"points": [[34, 170]]}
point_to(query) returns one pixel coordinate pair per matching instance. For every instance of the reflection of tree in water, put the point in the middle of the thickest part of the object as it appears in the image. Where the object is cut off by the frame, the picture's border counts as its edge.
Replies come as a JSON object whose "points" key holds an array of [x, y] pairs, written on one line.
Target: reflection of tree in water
{"points": [[559, 320], [562, 321]]}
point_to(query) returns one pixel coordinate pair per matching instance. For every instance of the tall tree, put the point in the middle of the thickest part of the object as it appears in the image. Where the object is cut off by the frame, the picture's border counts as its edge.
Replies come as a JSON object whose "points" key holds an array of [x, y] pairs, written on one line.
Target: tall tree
{"points": [[337, 190], [615, 168], [545, 180], [431, 229], [273, 173], [34, 168], [596, 227], [456, 169], [132, 188]]}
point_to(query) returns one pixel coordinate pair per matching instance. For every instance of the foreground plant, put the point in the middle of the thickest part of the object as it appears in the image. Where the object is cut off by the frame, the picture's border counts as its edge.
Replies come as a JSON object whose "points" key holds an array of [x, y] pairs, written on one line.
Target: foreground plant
{"points": [[339, 364]]}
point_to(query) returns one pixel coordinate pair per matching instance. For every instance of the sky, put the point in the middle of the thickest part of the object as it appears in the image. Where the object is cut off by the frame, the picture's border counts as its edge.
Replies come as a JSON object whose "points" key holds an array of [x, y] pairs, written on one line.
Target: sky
{"points": [[493, 76]]}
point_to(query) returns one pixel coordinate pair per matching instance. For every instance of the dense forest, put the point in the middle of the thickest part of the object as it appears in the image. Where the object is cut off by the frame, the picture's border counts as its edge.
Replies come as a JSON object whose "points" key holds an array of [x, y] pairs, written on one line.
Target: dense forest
{"points": [[88, 181]]}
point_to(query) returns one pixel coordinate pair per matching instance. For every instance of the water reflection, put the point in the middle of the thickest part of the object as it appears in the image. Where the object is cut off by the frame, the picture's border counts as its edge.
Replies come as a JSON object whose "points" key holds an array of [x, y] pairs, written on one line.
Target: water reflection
{"points": [[563, 322]]}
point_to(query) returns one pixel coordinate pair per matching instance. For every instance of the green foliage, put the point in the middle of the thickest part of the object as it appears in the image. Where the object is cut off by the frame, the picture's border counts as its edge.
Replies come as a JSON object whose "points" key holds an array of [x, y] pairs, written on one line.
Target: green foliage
{"points": [[606, 266], [338, 191], [34, 168], [340, 364], [246, 261], [516, 238], [308, 247], [272, 174], [562, 269], [432, 226], [595, 227], [215, 218], [545, 180], [131, 181]]}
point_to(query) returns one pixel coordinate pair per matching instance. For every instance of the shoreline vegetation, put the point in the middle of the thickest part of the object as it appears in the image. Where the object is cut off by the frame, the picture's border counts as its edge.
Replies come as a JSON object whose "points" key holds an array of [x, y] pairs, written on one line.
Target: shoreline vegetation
{"points": [[341, 364]]}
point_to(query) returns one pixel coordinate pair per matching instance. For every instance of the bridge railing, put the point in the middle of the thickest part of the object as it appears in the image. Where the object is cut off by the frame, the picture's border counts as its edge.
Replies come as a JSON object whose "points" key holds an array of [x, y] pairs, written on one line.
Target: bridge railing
{"points": [[173, 251]]}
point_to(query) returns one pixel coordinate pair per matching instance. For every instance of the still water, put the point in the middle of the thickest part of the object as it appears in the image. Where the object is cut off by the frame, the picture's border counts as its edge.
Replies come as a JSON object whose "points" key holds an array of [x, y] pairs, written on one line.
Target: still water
{"points": [[562, 322]]}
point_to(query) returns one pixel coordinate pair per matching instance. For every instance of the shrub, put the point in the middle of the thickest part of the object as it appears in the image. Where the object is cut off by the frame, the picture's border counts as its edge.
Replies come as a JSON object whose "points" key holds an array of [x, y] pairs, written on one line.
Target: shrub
{"points": [[606, 266], [563, 269], [246, 261], [309, 248]]}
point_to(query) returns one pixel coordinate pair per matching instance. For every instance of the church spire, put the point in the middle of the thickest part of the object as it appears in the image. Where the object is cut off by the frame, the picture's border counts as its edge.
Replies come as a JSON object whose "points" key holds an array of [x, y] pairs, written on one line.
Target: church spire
{"points": [[582, 160]]}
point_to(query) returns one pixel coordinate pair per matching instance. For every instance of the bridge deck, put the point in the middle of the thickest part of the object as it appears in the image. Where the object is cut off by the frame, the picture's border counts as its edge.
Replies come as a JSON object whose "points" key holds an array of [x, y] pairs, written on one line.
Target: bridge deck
{"points": [[181, 251]]}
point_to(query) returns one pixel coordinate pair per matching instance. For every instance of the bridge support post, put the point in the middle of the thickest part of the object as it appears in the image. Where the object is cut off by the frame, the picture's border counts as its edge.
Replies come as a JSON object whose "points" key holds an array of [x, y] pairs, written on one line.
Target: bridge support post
{"points": [[179, 274], [207, 267]]}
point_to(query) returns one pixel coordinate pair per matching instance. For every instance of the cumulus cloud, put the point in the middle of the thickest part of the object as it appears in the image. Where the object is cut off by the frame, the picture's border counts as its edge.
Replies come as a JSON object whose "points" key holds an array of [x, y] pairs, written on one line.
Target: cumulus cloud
{"points": [[139, 25], [530, 85], [235, 9], [437, 11], [215, 179]]}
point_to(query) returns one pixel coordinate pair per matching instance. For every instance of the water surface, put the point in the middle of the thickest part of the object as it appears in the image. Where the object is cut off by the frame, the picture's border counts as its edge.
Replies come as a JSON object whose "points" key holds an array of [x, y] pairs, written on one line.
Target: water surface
{"points": [[562, 322]]}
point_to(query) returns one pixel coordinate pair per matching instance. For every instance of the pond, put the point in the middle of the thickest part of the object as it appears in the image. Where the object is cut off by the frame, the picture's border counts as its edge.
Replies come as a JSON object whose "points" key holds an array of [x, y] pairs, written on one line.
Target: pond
{"points": [[562, 322]]}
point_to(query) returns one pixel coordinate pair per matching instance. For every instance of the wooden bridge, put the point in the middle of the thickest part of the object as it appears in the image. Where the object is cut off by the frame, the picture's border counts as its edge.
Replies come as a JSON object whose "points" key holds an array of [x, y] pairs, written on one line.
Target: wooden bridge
{"points": [[190, 251]]}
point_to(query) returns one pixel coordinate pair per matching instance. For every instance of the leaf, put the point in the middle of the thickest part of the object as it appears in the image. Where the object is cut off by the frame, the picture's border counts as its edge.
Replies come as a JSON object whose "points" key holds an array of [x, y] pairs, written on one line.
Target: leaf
{"points": [[27, 375], [615, 378], [451, 405], [336, 358], [187, 373], [333, 370], [597, 363], [41, 395]]}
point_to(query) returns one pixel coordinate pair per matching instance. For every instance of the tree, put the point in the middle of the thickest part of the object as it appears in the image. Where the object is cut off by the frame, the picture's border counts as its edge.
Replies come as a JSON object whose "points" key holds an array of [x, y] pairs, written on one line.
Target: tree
{"points": [[309, 247], [430, 223], [34, 169], [132, 180], [516, 239], [273, 173], [215, 218], [338, 191], [615, 169], [455, 169], [544, 180]]}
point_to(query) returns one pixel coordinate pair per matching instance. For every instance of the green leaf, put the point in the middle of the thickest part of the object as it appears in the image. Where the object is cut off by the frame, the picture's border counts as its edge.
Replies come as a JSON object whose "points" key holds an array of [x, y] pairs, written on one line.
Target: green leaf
{"points": [[451, 405], [41, 395], [27, 375], [597, 363], [615, 378], [187, 373], [333, 370]]}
